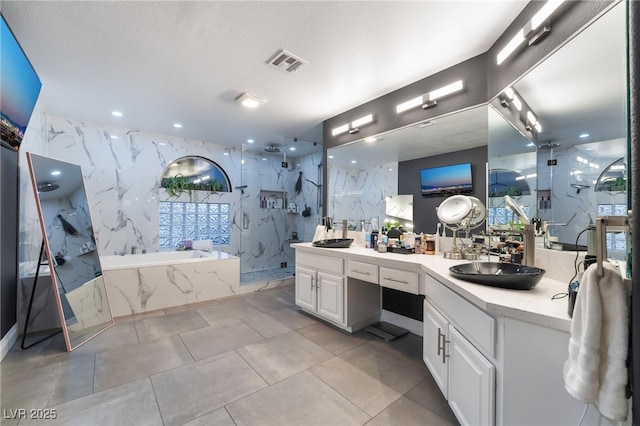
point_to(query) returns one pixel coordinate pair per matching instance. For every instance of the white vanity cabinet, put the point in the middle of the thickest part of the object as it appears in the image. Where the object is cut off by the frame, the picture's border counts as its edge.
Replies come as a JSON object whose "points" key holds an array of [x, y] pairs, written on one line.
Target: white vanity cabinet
{"points": [[320, 288], [465, 376], [324, 289]]}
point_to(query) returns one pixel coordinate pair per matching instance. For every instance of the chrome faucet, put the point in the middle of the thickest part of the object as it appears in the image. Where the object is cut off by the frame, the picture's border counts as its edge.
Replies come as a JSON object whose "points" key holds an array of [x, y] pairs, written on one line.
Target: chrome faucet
{"points": [[547, 234], [345, 228], [528, 239]]}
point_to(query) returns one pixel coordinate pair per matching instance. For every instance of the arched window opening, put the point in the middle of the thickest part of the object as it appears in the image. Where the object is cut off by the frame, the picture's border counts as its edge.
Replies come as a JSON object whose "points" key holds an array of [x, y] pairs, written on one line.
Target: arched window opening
{"points": [[613, 178], [182, 222], [194, 173]]}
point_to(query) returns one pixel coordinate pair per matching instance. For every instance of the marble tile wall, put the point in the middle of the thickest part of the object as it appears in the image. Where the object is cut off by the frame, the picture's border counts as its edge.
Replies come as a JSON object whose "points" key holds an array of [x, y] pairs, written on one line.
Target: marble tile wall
{"points": [[575, 209], [265, 241], [358, 194], [122, 170]]}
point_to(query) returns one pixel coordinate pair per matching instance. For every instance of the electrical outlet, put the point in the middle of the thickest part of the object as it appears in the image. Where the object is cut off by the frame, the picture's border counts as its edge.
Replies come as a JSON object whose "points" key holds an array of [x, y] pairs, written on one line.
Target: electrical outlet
{"points": [[553, 162]]}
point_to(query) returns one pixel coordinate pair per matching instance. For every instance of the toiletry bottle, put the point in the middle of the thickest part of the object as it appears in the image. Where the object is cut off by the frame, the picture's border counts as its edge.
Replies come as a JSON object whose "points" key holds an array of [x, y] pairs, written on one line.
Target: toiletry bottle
{"points": [[374, 239]]}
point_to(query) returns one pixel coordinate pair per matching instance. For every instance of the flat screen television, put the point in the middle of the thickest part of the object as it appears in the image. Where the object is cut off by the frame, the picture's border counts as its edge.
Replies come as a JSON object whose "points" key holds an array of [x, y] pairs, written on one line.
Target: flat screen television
{"points": [[19, 85], [447, 180]]}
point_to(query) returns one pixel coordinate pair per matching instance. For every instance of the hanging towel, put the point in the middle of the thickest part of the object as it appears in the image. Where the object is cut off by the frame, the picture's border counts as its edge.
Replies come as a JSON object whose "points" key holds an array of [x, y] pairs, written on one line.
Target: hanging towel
{"points": [[596, 371]]}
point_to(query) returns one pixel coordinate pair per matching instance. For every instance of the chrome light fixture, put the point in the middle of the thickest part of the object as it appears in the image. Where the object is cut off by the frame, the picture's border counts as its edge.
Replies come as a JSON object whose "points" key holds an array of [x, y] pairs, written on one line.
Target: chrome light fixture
{"points": [[354, 126], [534, 30], [429, 100]]}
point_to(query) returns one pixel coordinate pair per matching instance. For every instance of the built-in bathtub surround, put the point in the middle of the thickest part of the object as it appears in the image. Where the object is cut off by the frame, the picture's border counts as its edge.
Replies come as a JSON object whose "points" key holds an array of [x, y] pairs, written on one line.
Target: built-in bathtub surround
{"points": [[359, 193], [148, 282]]}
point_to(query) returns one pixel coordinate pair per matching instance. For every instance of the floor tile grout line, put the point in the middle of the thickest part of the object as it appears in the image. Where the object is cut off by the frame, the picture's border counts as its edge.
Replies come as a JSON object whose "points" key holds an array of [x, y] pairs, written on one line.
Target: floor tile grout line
{"points": [[343, 395], [155, 396]]}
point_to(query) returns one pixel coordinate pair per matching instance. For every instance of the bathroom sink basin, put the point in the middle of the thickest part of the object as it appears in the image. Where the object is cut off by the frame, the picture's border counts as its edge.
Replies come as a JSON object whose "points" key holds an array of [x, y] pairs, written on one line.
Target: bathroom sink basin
{"points": [[497, 274], [333, 243]]}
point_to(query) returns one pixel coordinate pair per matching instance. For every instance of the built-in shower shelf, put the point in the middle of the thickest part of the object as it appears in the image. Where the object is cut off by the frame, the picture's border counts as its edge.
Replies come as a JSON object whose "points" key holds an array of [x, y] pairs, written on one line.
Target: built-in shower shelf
{"points": [[272, 199]]}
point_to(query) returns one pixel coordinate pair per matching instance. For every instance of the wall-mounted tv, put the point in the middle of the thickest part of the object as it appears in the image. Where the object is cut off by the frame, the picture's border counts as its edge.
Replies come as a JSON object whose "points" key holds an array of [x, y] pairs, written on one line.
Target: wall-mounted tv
{"points": [[19, 85], [447, 180]]}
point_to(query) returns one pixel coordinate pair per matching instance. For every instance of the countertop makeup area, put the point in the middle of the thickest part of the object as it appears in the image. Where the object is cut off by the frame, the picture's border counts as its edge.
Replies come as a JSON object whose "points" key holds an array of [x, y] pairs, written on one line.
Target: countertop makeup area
{"points": [[535, 306]]}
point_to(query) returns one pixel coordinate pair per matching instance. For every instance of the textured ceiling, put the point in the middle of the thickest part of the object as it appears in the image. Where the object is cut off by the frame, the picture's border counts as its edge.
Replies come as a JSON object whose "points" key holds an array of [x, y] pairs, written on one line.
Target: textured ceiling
{"points": [[162, 62]]}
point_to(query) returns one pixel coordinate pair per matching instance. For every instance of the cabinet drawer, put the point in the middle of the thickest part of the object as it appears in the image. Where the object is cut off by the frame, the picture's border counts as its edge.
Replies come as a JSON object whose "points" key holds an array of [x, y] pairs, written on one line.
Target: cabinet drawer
{"points": [[362, 271], [400, 280], [475, 324], [320, 263]]}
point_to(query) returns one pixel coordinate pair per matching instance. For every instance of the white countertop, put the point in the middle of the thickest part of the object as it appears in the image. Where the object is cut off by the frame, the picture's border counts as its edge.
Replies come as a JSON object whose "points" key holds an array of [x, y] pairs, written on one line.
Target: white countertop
{"points": [[533, 306]]}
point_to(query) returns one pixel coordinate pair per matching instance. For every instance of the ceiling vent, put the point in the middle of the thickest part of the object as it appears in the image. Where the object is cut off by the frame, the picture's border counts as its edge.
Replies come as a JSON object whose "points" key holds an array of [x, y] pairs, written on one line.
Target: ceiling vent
{"points": [[286, 61]]}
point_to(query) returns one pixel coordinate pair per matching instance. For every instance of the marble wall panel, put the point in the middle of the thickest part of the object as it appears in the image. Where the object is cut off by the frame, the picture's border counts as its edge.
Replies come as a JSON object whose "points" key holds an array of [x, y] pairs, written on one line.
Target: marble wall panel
{"points": [[359, 194]]}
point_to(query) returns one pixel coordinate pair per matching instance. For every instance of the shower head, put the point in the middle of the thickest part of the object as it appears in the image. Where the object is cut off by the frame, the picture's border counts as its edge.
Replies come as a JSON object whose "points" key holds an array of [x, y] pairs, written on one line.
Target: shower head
{"points": [[549, 145], [47, 187], [271, 149]]}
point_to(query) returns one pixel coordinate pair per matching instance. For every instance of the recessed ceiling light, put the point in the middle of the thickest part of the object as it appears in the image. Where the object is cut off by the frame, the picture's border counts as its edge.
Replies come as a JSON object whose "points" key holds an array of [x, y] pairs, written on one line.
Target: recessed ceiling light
{"points": [[177, 125], [584, 135], [248, 100], [353, 161], [116, 113], [55, 173], [250, 141]]}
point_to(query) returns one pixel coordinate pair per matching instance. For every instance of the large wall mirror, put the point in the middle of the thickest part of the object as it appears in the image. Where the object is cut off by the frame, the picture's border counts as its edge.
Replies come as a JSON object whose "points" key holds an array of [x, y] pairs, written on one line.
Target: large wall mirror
{"points": [[574, 168], [70, 245], [363, 173]]}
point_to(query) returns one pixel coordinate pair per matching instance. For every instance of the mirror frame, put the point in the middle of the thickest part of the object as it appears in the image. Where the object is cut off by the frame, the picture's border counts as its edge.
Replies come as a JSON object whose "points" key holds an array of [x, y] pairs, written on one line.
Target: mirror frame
{"points": [[48, 254]]}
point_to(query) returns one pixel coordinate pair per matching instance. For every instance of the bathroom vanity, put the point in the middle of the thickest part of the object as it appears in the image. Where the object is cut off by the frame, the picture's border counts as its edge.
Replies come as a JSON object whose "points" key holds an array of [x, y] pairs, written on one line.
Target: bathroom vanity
{"points": [[496, 354]]}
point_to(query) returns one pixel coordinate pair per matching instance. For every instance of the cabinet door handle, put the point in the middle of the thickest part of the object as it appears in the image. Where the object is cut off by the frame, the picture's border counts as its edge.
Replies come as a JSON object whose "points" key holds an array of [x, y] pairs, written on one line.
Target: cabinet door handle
{"points": [[440, 348], [312, 286], [444, 349], [396, 281], [360, 272]]}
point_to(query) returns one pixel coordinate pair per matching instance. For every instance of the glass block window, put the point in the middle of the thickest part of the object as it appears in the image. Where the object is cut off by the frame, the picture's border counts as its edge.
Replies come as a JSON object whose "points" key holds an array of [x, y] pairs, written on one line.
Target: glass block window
{"points": [[181, 221], [503, 215]]}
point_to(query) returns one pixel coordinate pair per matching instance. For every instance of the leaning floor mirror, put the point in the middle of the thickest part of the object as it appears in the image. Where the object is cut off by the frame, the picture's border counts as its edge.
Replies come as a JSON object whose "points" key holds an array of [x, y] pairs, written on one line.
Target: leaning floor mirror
{"points": [[70, 248]]}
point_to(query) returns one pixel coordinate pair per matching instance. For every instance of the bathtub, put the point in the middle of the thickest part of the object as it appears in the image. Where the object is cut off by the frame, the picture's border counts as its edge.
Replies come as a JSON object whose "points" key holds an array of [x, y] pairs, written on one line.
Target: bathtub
{"points": [[147, 282]]}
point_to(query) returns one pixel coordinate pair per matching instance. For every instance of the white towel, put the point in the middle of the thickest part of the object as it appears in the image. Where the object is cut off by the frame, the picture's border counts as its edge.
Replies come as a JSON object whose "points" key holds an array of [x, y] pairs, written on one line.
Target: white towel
{"points": [[596, 371]]}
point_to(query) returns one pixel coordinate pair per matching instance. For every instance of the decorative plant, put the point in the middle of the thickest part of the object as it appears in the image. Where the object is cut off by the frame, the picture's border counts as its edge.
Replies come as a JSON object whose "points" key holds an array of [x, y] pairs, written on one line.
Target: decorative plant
{"points": [[177, 184]]}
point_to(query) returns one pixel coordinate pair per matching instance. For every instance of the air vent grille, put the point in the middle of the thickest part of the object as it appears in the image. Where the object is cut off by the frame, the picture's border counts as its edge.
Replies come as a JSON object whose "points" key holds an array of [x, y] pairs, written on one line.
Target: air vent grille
{"points": [[286, 61]]}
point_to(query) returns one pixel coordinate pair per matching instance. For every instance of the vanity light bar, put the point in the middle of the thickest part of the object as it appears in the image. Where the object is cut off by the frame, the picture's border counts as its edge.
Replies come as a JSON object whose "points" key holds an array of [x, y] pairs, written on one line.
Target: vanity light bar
{"points": [[340, 129], [544, 13], [362, 121], [354, 126], [429, 99], [446, 90], [517, 103], [409, 104], [538, 19]]}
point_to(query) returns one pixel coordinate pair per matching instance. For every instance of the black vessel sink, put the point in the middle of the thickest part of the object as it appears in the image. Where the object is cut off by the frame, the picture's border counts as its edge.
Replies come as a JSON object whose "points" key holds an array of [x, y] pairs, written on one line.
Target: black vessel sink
{"points": [[495, 274], [333, 243]]}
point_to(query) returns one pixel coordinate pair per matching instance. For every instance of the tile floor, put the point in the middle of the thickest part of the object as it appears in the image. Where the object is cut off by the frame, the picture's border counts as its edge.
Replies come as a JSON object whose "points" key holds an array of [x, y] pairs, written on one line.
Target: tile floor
{"points": [[249, 360]]}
